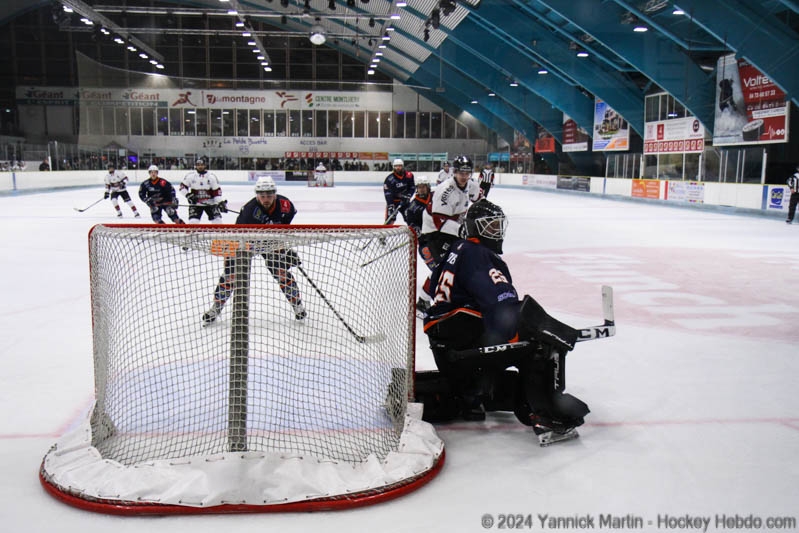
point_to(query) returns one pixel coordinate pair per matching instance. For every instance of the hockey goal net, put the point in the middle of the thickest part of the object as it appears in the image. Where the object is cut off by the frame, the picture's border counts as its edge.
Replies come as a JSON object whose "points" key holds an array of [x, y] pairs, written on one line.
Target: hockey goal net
{"points": [[317, 178], [260, 410]]}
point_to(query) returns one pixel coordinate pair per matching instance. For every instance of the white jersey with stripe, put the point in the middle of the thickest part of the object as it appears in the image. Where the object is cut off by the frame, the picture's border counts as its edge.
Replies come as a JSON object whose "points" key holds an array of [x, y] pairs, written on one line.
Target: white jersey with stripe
{"points": [[450, 203], [205, 187], [115, 181]]}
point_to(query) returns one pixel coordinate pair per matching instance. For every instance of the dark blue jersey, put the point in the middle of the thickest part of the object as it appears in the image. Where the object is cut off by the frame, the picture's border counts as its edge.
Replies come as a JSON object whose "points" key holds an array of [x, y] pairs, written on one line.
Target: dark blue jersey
{"points": [[413, 215], [281, 212], [473, 277], [159, 192], [398, 189]]}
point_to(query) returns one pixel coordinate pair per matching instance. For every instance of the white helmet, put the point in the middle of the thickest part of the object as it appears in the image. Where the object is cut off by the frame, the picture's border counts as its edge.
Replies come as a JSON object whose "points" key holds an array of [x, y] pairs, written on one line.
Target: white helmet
{"points": [[265, 184], [321, 168], [422, 180], [152, 167], [398, 162]]}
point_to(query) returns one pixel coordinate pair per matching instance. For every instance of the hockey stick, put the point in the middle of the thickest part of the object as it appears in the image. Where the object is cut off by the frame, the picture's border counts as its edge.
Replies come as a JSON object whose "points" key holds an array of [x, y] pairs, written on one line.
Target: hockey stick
{"points": [[87, 208], [359, 338], [384, 254], [201, 205], [608, 329], [392, 214]]}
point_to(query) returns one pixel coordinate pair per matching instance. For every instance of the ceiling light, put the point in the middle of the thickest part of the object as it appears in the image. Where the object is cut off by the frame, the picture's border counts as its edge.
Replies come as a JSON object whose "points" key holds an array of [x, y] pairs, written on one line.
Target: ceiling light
{"points": [[492, 94], [232, 12], [372, 66], [370, 72], [132, 48], [474, 101], [153, 62], [264, 63], [159, 65], [640, 28], [378, 53], [382, 46], [87, 21], [386, 37], [267, 69], [105, 31], [239, 24], [256, 51], [514, 84], [119, 40], [543, 71], [678, 11], [252, 43], [68, 9], [260, 58], [582, 53], [246, 34], [143, 55], [402, 4], [318, 35], [395, 17]]}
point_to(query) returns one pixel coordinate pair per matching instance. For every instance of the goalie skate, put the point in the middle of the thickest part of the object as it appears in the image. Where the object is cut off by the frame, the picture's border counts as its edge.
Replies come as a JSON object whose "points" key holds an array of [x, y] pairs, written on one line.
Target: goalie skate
{"points": [[553, 436], [210, 315]]}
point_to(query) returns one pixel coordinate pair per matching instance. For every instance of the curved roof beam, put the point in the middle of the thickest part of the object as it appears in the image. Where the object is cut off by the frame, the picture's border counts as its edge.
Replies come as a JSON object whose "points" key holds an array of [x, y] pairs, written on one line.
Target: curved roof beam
{"points": [[514, 66], [656, 57], [553, 53], [755, 34]]}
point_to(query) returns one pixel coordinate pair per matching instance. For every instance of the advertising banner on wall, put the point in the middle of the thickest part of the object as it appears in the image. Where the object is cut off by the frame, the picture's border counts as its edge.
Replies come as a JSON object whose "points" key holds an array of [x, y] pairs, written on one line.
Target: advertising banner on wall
{"points": [[545, 142], [692, 192], [776, 198], [750, 108], [575, 138], [674, 135], [646, 189], [611, 131]]}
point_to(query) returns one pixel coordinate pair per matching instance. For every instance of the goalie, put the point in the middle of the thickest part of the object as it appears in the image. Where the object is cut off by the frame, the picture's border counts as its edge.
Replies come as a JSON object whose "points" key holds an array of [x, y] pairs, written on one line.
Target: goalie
{"points": [[476, 305], [320, 175], [267, 207]]}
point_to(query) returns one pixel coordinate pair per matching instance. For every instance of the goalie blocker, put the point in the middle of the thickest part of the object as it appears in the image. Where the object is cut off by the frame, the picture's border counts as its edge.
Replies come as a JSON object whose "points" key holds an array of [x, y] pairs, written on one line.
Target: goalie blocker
{"points": [[533, 391]]}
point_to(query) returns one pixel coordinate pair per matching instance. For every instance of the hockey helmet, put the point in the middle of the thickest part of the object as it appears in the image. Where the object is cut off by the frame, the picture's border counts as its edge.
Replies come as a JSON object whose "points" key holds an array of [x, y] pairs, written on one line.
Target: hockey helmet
{"points": [[111, 166], [398, 162], [462, 163], [152, 168], [321, 168], [201, 162], [422, 180], [265, 184], [486, 222]]}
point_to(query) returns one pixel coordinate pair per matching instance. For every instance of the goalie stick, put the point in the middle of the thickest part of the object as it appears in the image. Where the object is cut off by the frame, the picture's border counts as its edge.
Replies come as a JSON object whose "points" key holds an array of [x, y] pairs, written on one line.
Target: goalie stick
{"points": [[359, 338], [384, 254], [89, 207], [608, 329]]}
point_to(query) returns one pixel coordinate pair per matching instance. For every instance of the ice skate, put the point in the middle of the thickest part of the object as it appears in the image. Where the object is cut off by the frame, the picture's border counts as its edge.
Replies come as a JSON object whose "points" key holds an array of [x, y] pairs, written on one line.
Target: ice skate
{"points": [[137, 215], [299, 312], [210, 315], [553, 436]]}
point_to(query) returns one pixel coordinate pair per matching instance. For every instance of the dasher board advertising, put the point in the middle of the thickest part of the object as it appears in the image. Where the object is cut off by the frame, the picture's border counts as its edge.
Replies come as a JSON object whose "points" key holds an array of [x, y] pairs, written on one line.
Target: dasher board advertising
{"points": [[750, 108]]}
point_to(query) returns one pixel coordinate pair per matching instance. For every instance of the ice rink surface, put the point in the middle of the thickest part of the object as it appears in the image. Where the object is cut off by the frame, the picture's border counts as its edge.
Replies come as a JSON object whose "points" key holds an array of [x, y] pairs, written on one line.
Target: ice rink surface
{"points": [[694, 402]]}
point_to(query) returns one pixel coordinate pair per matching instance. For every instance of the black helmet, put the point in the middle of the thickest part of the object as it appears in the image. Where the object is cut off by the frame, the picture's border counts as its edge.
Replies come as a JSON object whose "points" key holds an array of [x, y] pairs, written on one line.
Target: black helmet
{"points": [[203, 162], [486, 222], [462, 164]]}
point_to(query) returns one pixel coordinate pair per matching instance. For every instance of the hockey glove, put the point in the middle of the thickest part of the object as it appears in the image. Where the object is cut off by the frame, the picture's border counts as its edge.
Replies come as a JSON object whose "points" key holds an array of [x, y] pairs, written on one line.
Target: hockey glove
{"points": [[222, 206], [191, 198], [292, 259], [106, 195]]}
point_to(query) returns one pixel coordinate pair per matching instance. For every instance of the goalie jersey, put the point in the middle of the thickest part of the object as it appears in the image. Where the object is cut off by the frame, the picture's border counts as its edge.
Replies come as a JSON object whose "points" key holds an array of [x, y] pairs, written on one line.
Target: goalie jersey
{"points": [[474, 278]]}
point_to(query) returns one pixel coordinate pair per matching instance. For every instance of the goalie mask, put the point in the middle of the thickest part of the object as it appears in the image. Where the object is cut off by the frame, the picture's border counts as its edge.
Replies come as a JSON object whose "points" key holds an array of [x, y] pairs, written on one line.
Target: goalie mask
{"points": [[486, 222]]}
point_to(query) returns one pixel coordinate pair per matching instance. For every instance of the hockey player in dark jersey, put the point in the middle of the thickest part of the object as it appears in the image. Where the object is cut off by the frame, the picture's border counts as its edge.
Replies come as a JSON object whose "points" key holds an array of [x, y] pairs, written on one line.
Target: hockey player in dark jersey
{"points": [[398, 188], [159, 195], [422, 201], [475, 305], [267, 207]]}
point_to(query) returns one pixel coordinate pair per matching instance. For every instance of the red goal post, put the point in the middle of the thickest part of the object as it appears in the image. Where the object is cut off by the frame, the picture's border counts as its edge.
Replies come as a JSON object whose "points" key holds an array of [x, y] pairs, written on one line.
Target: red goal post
{"points": [[259, 411]]}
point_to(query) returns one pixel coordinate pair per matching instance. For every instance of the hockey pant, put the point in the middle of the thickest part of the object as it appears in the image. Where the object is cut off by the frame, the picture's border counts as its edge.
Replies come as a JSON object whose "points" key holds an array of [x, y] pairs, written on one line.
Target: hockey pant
{"points": [[278, 263], [125, 198], [211, 211], [485, 187], [169, 209]]}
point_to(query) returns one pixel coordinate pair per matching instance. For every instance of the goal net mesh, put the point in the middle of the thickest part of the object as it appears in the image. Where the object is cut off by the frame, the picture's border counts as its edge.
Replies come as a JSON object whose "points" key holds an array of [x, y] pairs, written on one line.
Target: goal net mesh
{"points": [[259, 382]]}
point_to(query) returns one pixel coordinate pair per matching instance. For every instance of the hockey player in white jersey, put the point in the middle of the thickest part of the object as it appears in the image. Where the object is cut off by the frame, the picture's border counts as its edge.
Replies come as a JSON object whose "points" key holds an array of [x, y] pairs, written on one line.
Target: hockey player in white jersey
{"points": [[116, 186], [320, 175], [441, 226], [203, 193]]}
